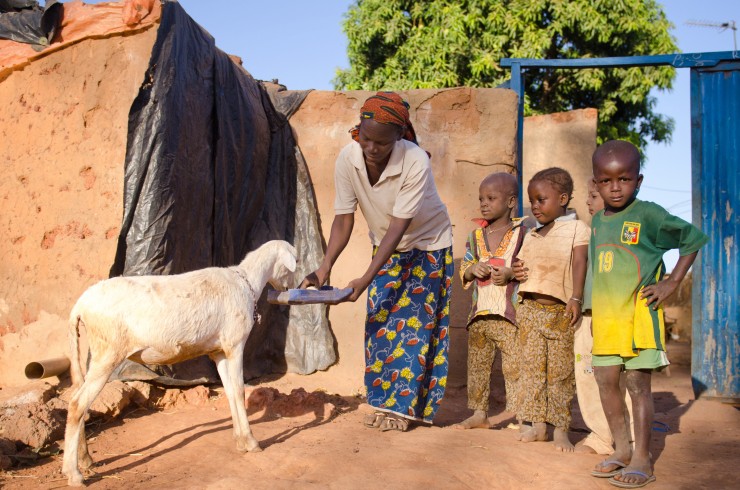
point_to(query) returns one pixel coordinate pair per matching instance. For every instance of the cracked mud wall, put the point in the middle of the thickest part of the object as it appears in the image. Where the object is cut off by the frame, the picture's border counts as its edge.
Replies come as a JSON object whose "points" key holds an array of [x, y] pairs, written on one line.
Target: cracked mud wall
{"points": [[63, 132], [566, 140]]}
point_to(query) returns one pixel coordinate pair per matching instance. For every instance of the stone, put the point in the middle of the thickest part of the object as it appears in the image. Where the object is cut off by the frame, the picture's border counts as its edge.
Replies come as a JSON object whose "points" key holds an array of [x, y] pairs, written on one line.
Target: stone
{"points": [[114, 398], [198, 396], [38, 394], [141, 393], [34, 424]]}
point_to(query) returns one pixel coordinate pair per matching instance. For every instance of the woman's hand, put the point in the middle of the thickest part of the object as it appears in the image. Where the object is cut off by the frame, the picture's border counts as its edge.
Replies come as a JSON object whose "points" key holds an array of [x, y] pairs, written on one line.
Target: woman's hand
{"points": [[358, 286], [316, 279]]}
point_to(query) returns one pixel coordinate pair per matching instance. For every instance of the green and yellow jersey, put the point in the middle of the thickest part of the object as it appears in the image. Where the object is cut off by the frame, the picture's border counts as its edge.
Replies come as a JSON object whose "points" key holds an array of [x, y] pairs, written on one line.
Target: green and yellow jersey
{"points": [[626, 250]]}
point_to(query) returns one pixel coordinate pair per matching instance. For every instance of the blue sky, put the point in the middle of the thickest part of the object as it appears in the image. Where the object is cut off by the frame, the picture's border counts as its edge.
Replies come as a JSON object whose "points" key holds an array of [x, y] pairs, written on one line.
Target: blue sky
{"points": [[301, 43]]}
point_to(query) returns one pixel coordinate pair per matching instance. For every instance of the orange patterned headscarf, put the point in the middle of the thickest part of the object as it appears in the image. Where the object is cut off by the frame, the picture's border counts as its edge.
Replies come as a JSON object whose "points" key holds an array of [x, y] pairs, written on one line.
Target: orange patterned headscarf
{"points": [[387, 108]]}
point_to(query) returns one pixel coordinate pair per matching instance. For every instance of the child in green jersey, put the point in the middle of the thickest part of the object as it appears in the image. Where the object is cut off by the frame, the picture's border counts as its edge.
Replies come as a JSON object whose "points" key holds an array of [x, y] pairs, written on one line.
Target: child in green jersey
{"points": [[628, 240], [599, 440]]}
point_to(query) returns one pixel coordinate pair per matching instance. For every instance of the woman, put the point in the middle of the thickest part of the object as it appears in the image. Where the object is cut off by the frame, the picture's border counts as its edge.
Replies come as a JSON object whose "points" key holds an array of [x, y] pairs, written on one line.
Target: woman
{"points": [[386, 173]]}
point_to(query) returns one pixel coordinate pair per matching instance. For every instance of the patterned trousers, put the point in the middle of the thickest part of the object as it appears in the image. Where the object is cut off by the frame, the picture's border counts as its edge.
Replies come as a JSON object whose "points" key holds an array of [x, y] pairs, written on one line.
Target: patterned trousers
{"points": [[547, 380], [486, 334]]}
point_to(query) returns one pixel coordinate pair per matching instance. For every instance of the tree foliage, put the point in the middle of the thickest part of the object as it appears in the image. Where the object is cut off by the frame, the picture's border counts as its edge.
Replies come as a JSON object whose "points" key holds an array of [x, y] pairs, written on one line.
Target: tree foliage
{"points": [[409, 44]]}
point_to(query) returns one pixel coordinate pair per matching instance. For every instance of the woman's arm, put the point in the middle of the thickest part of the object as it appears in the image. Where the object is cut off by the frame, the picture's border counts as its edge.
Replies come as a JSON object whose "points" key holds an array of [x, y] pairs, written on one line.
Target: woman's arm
{"points": [[341, 230], [388, 244]]}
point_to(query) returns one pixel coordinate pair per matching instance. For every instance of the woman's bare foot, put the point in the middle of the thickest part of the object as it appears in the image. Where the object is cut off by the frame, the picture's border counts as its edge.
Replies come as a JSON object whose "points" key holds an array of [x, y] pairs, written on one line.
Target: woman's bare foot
{"points": [[562, 443], [537, 432], [479, 420]]}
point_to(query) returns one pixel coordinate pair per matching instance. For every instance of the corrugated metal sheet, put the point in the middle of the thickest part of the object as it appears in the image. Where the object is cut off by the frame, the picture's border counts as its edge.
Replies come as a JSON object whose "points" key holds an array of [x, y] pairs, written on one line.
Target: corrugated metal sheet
{"points": [[715, 120]]}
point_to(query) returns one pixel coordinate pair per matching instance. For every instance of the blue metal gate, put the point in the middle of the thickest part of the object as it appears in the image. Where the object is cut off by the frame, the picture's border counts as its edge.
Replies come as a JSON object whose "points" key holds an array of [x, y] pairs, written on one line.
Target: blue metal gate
{"points": [[715, 166]]}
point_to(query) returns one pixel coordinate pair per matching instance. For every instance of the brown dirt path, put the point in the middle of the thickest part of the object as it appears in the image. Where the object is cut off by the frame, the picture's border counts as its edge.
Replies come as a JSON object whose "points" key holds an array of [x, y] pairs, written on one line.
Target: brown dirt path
{"points": [[191, 447]]}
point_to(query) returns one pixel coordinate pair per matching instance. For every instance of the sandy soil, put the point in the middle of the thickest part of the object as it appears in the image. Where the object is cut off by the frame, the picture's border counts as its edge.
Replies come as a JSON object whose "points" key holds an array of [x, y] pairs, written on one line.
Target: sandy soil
{"points": [[191, 447]]}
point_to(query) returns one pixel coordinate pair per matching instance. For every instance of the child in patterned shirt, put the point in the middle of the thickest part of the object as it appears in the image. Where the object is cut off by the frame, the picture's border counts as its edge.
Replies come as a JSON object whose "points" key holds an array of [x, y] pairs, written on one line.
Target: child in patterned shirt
{"points": [[552, 272], [486, 268]]}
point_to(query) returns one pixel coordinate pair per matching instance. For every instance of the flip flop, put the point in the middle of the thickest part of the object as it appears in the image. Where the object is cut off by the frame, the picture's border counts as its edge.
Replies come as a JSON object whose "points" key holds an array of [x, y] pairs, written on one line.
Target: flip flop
{"points": [[393, 423], [621, 484], [661, 427], [374, 420], [608, 474]]}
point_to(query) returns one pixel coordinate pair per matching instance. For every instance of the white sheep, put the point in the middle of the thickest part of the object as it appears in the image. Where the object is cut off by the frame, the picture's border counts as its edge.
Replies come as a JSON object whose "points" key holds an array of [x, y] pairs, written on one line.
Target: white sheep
{"points": [[168, 319]]}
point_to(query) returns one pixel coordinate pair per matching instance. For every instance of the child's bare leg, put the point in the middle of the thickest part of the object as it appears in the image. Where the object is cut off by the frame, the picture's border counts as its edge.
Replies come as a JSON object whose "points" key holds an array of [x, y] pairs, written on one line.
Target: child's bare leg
{"points": [[639, 386], [562, 443], [607, 377], [537, 432], [479, 420]]}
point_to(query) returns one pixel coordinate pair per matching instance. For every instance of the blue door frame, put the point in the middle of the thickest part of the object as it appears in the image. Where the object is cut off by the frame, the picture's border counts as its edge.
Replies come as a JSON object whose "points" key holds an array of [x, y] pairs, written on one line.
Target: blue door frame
{"points": [[715, 164]]}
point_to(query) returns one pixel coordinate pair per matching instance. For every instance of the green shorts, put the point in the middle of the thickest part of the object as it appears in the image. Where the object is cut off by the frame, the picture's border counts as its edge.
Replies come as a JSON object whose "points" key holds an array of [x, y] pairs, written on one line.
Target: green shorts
{"points": [[645, 359]]}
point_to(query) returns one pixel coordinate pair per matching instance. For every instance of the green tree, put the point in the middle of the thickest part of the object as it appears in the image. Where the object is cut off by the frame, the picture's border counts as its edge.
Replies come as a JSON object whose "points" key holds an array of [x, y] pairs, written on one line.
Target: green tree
{"points": [[409, 44]]}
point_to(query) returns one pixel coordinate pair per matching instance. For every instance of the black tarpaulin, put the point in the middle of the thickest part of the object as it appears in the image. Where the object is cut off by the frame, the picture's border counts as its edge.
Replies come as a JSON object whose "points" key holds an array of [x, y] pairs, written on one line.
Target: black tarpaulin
{"points": [[212, 171], [24, 21]]}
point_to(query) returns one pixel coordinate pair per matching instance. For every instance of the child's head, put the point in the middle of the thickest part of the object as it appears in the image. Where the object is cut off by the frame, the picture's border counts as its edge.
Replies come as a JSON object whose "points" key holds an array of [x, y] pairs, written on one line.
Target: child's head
{"points": [[550, 191], [497, 196], [616, 166], [594, 201]]}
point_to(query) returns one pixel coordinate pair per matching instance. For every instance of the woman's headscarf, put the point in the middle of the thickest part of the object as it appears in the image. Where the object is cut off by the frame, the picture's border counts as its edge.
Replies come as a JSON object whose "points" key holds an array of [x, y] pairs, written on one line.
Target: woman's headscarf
{"points": [[387, 108]]}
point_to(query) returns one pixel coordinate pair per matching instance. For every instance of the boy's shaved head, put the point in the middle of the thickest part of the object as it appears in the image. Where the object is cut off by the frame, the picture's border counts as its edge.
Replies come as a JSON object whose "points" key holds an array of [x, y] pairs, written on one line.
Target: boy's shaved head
{"points": [[617, 150], [504, 182]]}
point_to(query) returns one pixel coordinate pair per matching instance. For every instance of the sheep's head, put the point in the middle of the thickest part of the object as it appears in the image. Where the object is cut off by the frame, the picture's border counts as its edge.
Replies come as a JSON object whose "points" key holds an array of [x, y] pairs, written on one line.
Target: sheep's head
{"points": [[285, 265]]}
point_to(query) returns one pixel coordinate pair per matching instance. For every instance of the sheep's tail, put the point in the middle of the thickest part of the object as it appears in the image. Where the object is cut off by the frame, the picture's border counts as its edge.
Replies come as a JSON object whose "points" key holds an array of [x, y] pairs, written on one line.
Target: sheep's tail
{"points": [[75, 367]]}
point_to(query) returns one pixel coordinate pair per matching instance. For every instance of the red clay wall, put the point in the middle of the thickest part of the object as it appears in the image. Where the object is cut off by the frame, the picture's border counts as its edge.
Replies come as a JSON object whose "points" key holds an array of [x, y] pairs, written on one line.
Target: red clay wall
{"points": [[63, 134]]}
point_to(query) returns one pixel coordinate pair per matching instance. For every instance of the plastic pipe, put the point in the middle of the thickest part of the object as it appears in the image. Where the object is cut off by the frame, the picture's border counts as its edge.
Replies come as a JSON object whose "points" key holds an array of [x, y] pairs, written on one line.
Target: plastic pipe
{"points": [[46, 368]]}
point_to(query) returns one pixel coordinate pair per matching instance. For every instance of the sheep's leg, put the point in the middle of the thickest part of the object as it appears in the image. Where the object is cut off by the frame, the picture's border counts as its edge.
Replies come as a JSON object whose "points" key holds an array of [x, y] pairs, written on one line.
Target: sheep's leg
{"points": [[75, 446], [230, 370], [84, 460], [223, 371], [236, 369]]}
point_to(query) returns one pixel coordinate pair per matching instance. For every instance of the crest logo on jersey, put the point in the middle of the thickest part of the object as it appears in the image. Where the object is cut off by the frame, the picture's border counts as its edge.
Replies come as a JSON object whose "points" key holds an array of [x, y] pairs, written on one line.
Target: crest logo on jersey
{"points": [[630, 233]]}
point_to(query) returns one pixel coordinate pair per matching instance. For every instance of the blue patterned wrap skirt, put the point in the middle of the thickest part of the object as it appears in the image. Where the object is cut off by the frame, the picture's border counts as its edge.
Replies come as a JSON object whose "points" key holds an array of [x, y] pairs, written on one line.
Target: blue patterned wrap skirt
{"points": [[406, 333]]}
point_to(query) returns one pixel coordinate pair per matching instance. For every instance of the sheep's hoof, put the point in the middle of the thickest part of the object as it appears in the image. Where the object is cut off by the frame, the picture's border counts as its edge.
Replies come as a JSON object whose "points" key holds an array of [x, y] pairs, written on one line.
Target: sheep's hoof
{"points": [[244, 446], [76, 480]]}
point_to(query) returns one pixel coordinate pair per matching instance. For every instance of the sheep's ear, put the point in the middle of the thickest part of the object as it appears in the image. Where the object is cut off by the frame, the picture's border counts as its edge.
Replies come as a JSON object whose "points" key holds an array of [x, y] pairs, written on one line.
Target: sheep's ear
{"points": [[289, 261]]}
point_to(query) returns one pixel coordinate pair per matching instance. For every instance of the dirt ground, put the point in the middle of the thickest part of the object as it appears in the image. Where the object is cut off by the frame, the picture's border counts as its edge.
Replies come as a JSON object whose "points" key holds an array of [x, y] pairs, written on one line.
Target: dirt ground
{"points": [[325, 445]]}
